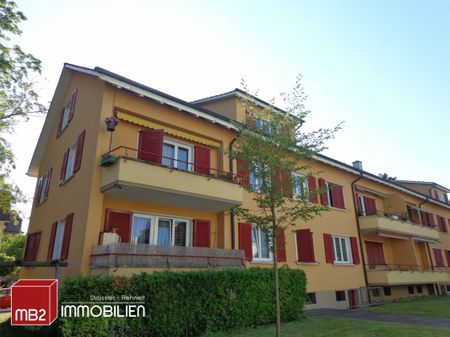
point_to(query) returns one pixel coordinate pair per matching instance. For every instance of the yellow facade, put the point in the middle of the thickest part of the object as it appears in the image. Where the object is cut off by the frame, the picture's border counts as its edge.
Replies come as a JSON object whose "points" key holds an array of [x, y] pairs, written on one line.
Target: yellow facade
{"points": [[133, 186]]}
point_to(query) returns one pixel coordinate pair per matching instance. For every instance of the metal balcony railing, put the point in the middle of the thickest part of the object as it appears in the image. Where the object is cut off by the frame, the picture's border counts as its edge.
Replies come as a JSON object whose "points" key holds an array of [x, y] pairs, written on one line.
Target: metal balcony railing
{"points": [[126, 152]]}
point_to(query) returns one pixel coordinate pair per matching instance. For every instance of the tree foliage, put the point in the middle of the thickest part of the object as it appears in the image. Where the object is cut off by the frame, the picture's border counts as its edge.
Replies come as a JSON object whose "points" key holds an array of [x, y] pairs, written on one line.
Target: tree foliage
{"points": [[11, 249], [18, 96], [272, 148]]}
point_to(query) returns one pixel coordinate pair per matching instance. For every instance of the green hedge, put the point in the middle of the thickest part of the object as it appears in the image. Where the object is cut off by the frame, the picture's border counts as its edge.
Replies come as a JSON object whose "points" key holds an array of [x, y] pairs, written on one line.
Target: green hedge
{"points": [[188, 303]]}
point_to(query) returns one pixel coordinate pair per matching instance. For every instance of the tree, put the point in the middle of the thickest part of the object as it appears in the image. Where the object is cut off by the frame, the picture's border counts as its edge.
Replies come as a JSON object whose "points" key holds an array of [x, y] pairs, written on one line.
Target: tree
{"points": [[18, 96], [11, 249], [386, 176], [272, 148]]}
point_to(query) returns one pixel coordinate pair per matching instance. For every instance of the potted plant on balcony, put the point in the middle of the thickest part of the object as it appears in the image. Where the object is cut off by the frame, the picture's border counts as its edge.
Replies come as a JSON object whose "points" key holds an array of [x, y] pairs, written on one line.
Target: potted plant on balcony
{"points": [[108, 159], [111, 123]]}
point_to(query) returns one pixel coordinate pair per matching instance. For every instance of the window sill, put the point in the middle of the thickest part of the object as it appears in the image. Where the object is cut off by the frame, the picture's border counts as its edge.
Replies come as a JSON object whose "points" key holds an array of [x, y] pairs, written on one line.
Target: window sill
{"points": [[344, 264], [255, 261], [42, 202], [61, 183], [307, 263], [338, 209]]}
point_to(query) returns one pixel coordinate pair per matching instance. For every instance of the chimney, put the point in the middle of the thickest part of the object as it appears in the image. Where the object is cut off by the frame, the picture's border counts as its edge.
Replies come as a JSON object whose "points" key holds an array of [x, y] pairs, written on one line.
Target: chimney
{"points": [[357, 164]]}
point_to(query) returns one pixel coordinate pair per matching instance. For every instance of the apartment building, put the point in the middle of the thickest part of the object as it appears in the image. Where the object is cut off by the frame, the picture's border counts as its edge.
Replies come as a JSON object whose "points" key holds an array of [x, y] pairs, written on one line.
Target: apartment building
{"points": [[130, 179]]}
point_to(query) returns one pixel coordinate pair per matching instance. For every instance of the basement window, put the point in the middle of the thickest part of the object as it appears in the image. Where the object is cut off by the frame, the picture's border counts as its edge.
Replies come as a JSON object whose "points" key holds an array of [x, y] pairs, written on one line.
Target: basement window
{"points": [[387, 291], [340, 296], [419, 289], [311, 298], [411, 290]]}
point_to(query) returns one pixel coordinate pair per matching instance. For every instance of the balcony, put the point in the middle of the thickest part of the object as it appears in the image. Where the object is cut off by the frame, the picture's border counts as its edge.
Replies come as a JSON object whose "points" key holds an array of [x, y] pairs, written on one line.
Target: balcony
{"points": [[124, 176], [128, 255], [387, 223], [399, 274]]}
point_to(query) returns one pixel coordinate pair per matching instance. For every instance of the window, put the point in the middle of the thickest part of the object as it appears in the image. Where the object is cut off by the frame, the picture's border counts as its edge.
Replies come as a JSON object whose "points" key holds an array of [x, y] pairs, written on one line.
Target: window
{"points": [[264, 126], [387, 291], [43, 185], [177, 155], [419, 289], [161, 230], [441, 196], [332, 195], [255, 179], [442, 224], [341, 246], [448, 287], [66, 114], [438, 258], [411, 290], [340, 296], [427, 219], [413, 214], [32, 246], [58, 239], [305, 246], [72, 159], [299, 186], [361, 205], [376, 292], [311, 298], [142, 224], [366, 205], [261, 244]]}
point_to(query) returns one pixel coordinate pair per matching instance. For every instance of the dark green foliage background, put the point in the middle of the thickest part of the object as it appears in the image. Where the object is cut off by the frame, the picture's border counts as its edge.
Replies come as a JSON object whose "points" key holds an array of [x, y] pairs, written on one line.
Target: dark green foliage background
{"points": [[188, 303]]}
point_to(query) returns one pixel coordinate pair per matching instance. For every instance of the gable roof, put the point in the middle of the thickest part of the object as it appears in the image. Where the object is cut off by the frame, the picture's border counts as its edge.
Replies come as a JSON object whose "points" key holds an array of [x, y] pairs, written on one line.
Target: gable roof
{"points": [[427, 183]]}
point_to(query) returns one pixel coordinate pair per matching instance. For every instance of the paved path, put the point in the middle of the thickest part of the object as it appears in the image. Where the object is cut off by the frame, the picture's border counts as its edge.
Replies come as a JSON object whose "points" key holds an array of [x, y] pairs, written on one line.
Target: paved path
{"points": [[437, 322]]}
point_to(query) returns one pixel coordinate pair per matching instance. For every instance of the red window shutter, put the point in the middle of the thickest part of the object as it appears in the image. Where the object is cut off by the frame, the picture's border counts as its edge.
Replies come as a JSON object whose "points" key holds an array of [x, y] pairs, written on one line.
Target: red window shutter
{"points": [[79, 153], [281, 245], [323, 194], [447, 255], [49, 179], [424, 218], [286, 178], [375, 254], [337, 194], [439, 261], [39, 187], [305, 246], [312, 187], [243, 172], [51, 243], [32, 246], [72, 104], [202, 160], [151, 145], [202, 233], [371, 206], [328, 243], [66, 238], [62, 176], [58, 131], [245, 240], [431, 222], [355, 251], [121, 220]]}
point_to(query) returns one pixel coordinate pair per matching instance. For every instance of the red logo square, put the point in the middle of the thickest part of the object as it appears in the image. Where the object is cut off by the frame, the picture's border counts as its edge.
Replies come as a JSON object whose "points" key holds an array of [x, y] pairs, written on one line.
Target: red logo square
{"points": [[34, 302]]}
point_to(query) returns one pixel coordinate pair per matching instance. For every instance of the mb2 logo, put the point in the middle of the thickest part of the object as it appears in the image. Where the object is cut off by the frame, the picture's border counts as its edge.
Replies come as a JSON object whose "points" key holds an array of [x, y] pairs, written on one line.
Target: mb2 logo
{"points": [[34, 302]]}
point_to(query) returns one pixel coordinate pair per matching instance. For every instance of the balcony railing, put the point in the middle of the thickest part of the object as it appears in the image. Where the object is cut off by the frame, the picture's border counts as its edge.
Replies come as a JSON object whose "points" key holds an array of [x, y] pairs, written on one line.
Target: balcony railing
{"points": [[126, 152], [395, 217], [127, 255], [408, 267]]}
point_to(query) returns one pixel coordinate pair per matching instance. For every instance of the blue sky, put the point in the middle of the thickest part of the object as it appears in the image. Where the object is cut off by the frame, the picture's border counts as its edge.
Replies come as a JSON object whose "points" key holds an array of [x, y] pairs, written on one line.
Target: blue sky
{"points": [[382, 67]]}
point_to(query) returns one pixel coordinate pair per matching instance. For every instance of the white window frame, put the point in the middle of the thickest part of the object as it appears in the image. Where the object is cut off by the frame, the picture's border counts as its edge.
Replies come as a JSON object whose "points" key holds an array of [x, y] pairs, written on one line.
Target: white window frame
{"points": [[304, 186], [257, 183], [65, 116], [59, 236], [71, 161], [336, 250], [258, 243], [328, 190], [363, 205], [176, 145], [154, 225], [264, 126], [41, 196], [440, 196]]}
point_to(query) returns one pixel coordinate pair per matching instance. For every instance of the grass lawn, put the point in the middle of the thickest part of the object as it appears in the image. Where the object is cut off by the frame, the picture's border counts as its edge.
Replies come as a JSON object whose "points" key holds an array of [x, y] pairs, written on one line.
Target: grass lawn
{"points": [[339, 327], [433, 306]]}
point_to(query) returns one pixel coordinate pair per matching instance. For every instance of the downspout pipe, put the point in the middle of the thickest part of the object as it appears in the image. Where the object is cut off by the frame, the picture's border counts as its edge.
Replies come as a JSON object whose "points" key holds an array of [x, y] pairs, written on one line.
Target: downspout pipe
{"points": [[363, 259], [232, 220]]}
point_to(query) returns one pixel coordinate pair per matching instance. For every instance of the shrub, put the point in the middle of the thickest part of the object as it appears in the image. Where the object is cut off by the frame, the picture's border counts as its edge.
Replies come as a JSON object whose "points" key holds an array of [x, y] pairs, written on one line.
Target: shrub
{"points": [[187, 303]]}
